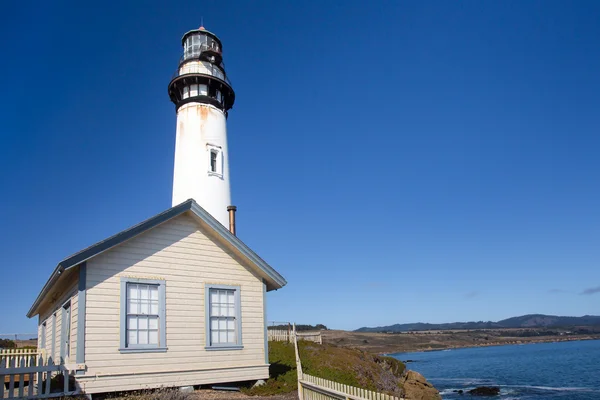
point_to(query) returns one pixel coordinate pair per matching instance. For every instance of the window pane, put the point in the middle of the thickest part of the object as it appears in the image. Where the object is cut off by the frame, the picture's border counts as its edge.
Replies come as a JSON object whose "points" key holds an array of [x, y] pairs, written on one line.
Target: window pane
{"points": [[142, 323], [214, 324], [143, 337], [230, 324], [144, 308], [230, 298], [154, 292], [154, 308], [144, 292], [186, 92], [132, 337], [132, 323], [223, 297], [231, 337], [153, 337], [152, 323], [214, 310], [214, 296], [193, 90], [203, 90], [231, 311], [222, 337], [213, 161], [133, 307], [133, 291], [214, 337], [222, 324]]}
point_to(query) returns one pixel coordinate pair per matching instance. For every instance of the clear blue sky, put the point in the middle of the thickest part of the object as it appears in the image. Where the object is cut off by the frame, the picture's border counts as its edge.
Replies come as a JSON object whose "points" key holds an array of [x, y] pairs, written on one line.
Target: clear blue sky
{"points": [[395, 161]]}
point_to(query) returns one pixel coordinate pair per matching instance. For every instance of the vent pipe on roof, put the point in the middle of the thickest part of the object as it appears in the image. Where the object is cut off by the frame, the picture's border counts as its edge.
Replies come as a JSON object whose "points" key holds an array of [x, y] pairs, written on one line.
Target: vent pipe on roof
{"points": [[232, 210]]}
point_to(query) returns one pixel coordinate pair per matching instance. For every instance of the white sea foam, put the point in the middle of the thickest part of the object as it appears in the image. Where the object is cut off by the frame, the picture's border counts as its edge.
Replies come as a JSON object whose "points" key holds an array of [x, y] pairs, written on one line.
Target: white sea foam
{"points": [[465, 381], [553, 389]]}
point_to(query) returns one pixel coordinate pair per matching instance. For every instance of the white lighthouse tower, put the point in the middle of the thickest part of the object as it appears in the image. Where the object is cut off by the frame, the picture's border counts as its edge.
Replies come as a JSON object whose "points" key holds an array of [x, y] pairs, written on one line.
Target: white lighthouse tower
{"points": [[202, 95]]}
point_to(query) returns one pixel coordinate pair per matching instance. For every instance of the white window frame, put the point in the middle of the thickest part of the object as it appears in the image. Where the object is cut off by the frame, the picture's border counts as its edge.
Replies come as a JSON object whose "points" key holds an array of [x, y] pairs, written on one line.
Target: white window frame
{"points": [[238, 345], [161, 346], [210, 148]]}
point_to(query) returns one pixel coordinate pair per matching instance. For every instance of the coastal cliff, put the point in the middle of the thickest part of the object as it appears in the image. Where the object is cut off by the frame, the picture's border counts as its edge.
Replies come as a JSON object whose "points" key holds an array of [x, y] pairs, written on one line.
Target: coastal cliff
{"points": [[347, 366]]}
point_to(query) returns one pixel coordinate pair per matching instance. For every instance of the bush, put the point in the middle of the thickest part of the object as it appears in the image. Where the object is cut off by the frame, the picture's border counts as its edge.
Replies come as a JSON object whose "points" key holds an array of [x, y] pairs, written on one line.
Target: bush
{"points": [[57, 383], [7, 344]]}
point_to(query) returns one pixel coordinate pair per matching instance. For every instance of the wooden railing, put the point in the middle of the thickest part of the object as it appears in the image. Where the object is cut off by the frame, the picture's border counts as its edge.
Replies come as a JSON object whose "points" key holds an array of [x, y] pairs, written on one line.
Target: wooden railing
{"points": [[31, 377], [16, 355], [278, 335], [314, 388], [282, 335]]}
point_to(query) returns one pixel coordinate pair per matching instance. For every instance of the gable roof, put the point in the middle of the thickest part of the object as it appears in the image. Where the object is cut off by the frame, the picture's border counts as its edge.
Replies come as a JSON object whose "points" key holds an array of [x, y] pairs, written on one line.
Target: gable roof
{"points": [[272, 278]]}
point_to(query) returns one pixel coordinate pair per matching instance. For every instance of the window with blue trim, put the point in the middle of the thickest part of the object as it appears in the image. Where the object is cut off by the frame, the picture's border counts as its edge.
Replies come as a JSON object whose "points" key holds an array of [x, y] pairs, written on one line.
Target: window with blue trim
{"points": [[143, 315], [223, 317]]}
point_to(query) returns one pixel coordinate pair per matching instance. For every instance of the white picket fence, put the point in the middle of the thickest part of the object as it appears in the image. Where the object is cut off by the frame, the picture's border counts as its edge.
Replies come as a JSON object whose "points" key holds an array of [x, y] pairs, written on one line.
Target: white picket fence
{"points": [[30, 377], [283, 335], [278, 335], [313, 388], [322, 389], [17, 355]]}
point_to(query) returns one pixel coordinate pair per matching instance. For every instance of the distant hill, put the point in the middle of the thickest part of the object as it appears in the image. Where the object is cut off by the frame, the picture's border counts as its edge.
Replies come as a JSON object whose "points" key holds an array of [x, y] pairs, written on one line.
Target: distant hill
{"points": [[524, 321]]}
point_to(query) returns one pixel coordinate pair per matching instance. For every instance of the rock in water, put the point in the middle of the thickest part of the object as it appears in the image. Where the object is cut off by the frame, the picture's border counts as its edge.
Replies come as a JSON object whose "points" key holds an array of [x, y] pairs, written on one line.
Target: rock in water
{"points": [[416, 387], [485, 391]]}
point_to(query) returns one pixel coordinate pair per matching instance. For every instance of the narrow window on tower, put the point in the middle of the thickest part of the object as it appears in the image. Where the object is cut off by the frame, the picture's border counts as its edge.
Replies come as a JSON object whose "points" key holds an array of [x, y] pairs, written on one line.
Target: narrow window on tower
{"points": [[215, 160]]}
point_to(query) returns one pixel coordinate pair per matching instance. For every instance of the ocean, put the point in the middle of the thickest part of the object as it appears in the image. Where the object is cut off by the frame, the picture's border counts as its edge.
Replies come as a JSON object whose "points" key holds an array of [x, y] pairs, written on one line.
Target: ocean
{"points": [[553, 371]]}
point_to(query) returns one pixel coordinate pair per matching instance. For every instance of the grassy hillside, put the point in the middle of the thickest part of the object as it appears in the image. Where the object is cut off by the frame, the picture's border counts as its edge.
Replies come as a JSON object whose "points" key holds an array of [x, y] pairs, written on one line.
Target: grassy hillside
{"points": [[344, 365]]}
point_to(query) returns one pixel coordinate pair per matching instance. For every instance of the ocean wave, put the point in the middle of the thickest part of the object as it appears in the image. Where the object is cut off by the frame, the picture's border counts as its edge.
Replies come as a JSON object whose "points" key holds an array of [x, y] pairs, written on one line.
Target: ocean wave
{"points": [[465, 381], [553, 388], [507, 392]]}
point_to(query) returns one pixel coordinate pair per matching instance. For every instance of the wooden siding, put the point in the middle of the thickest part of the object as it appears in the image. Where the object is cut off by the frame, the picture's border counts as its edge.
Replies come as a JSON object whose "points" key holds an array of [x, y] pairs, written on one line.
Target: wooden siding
{"points": [[108, 383], [68, 291], [187, 259]]}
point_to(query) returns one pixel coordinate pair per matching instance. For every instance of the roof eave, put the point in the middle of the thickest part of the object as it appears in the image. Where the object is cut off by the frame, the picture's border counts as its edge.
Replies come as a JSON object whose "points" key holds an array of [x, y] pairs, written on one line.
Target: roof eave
{"points": [[33, 311], [277, 281], [103, 246]]}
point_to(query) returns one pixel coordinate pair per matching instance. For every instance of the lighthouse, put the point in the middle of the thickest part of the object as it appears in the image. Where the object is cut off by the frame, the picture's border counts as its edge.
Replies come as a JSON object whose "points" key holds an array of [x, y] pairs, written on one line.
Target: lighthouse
{"points": [[203, 96]]}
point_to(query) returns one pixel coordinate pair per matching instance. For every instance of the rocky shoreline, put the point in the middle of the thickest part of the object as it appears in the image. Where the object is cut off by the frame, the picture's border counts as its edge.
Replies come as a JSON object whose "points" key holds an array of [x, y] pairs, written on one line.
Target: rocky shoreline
{"points": [[389, 343], [492, 344]]}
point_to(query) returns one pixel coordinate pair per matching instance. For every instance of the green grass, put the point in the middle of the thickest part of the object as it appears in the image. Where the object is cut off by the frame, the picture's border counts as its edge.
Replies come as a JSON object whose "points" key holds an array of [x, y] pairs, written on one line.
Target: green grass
{"points": [[282, 372], [343, 365]]}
